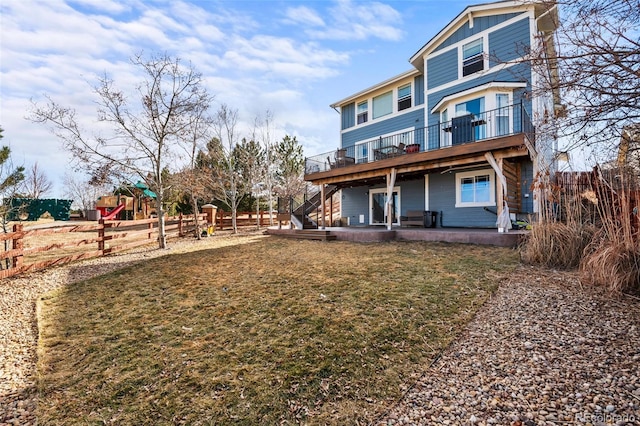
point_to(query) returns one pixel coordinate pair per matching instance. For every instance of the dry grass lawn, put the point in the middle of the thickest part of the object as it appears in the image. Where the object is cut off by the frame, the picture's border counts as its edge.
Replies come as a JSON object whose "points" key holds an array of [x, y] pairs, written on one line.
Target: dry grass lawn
{"points": [[273, 332]]}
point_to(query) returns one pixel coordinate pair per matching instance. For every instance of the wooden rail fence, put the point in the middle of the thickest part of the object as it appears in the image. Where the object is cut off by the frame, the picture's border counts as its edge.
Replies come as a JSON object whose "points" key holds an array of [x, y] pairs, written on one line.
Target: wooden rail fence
{"points": [[56, 247], [223, 219]]}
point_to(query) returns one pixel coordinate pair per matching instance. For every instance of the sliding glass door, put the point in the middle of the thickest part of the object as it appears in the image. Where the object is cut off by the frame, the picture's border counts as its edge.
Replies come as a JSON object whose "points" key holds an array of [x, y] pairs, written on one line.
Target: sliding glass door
{"points": [[377, 201]]}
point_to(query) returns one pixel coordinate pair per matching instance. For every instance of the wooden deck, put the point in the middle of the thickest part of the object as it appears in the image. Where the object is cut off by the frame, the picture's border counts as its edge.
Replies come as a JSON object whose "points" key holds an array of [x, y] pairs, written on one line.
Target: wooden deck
{"points": [[372, 234]]}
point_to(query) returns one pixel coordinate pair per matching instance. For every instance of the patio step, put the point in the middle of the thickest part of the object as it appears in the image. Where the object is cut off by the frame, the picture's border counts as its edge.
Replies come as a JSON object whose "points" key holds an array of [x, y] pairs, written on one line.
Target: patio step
{"points": [[308, 234]]}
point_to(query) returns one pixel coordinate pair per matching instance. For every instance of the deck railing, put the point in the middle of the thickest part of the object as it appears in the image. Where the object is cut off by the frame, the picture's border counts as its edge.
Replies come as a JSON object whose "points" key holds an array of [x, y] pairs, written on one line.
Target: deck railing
{"points": [[463, 129]]}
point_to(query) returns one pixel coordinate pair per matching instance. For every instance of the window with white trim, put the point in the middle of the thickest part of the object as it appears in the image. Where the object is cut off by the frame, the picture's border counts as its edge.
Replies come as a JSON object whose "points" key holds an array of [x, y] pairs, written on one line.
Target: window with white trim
{"points": [[472, 57], [476, 188], [404, 97], [363, 112], [382, 105]]}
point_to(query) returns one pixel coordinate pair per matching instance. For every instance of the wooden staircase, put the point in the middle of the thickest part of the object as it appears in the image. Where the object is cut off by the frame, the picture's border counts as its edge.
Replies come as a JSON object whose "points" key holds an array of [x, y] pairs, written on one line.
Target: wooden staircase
{"points": [[311, 204]]}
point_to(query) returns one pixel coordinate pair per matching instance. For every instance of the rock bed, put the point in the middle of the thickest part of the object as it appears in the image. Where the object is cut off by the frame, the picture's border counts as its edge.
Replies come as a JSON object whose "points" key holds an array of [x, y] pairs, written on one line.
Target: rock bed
{"points": [[542, 351]]}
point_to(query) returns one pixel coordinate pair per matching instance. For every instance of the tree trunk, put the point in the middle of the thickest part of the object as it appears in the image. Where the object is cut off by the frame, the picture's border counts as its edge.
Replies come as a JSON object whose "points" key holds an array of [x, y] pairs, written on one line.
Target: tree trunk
{"points": [[258, 211], [196, 217], [162, 237]]}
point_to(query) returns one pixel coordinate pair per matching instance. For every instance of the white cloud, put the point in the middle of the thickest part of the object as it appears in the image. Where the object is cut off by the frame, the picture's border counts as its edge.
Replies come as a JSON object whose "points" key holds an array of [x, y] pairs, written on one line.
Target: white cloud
{"points": [[110, 6], [360, 21], [304, 16], [62, 49]]}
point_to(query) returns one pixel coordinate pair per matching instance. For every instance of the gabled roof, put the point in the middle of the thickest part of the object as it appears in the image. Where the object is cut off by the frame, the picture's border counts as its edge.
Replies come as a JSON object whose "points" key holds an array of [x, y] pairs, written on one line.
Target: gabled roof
{"points": [[485, 9]]}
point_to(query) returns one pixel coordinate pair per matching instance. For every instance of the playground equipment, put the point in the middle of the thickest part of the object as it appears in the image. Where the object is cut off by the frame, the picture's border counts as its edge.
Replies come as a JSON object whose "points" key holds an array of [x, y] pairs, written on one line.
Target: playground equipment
{"points": [[140, 205], [110, 206], [210, 227], [114, 212]]}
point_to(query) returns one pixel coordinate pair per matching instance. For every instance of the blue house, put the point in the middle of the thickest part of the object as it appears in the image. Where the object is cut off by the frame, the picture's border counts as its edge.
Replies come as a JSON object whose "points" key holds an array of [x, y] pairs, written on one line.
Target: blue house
{"points": [[460, 135]]}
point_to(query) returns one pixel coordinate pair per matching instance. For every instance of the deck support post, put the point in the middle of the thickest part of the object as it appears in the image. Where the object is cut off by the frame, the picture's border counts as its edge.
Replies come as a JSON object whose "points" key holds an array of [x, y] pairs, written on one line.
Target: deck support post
{"points": [[322, 206], [391, 182], [497, 166]]}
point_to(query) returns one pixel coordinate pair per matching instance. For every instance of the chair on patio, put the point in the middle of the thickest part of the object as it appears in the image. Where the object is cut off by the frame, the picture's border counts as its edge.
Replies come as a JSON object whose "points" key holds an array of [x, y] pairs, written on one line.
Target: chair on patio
{"points": [[331, 164]]}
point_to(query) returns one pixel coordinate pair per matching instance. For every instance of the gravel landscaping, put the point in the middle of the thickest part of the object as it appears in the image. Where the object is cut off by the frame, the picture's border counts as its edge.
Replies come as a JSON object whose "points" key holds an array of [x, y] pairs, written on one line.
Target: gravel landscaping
{"points": [[542, 351]]}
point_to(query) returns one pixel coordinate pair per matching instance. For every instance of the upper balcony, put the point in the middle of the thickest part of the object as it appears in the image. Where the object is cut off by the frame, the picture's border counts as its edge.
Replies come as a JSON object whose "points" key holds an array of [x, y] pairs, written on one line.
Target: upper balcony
{"points": [[460, 136]]}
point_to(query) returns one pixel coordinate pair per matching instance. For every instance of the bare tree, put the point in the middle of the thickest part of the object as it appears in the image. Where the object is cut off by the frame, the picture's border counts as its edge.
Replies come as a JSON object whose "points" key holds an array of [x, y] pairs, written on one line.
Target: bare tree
{"points": [[193, 180], [595, 68], [264, 127], [36, 183], [228, 183], [171, 96], [84, 192]]}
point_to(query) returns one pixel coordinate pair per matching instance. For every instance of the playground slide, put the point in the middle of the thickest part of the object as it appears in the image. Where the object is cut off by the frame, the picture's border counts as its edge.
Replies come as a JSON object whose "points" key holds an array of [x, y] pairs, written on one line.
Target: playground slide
{"points": [[113, 213]]}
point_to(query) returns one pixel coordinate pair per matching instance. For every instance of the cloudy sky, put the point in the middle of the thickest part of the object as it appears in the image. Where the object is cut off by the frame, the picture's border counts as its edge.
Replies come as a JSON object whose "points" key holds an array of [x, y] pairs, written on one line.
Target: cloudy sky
{"points": [[293, 58]]}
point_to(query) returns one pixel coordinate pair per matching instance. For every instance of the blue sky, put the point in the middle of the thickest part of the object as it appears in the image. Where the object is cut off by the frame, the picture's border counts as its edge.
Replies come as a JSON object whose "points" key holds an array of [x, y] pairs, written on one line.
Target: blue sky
{"points": [[293, 58]]}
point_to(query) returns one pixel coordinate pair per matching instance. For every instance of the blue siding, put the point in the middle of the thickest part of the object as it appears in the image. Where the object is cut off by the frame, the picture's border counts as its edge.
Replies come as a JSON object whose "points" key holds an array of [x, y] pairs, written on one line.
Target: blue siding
{"points": [[348, 115], [517, 73], [510, 42], [442, 69], [442, 199], [411, 195], [355, 201], [479, 25], [418, 84], [394, 124]]}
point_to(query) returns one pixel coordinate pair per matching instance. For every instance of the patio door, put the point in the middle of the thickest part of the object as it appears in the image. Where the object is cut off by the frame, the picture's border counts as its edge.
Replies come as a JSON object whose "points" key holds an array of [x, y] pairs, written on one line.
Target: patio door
{"points": [[377, 201]]}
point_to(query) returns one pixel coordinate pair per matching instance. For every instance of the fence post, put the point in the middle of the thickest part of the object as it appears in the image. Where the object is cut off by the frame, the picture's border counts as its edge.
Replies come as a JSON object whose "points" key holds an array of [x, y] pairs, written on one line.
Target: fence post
{"points": [[18, 244], [180, 225], [221, 219], [101, 236], [150, 234]]}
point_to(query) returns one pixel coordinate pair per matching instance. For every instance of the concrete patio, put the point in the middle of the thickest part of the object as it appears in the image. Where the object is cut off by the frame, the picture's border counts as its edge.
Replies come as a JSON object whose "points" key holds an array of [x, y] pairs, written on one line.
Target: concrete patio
{"points": [[450, 235]]}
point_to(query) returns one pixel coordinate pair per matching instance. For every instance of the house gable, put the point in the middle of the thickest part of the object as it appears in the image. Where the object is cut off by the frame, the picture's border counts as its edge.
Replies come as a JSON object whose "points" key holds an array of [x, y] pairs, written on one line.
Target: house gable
{"points": [[480, 24]]}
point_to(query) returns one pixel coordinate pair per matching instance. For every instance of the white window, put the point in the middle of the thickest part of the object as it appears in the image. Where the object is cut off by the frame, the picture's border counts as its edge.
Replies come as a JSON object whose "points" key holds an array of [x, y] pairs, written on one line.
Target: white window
{"points": [[363, 112], [404, 97], [475, 189], [382, 105], [472, 57]]}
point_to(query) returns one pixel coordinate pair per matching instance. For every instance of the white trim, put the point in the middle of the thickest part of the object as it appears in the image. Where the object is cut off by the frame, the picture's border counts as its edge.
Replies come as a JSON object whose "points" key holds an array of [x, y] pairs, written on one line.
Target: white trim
{"points": [[426, 192], [462, 18], [380, 86], [371, 141], [474, 173], [497, 86], [484, 34], [485, 57], [384, 191]]}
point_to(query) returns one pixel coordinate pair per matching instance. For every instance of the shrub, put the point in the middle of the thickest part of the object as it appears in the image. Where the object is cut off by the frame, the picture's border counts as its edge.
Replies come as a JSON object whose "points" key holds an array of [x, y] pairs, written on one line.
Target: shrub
{"points": [[557, 244], [613, 264]]}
